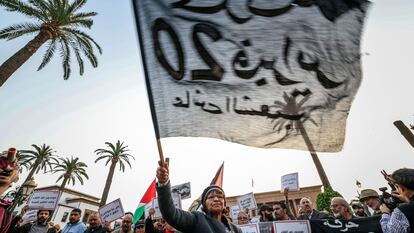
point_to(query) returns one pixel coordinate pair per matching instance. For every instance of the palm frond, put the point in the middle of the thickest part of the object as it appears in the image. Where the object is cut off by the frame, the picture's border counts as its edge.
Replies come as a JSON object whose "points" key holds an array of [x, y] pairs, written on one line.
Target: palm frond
{"points": [[77, 4], [50, 51], [65, 54], [23, 8], [18, 30]]}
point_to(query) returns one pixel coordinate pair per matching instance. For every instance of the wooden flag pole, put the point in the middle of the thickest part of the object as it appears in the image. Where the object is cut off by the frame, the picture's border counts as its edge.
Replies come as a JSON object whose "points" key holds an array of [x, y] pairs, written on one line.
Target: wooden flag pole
{"points": [[148, 83], [316, 161], [405, 131], [160, 150]]}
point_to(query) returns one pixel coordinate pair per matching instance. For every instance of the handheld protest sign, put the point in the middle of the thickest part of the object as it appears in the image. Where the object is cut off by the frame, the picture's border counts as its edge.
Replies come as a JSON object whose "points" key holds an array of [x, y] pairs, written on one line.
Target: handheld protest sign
{"points": [[247, 201], [29, 216], [250, 228], [234, 211], [45, 200], [292, 226], [182, 189], [176, 200], [111, 211], [290, 181]]}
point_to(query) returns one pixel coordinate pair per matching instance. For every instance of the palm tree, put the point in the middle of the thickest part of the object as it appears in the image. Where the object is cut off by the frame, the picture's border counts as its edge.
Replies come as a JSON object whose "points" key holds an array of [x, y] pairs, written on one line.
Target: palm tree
{"points": [[72, 169], [41, 158], [116, 153], [56, 21]]}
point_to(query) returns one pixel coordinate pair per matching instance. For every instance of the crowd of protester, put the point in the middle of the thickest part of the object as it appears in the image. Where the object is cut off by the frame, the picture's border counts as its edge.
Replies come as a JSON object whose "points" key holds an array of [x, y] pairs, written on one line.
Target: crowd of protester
{"points": [[214, 217]]}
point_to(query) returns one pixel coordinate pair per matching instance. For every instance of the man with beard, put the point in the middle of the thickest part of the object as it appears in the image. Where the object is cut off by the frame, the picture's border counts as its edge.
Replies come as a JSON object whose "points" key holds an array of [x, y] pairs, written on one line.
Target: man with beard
{"points": [[341, 209], [370, 198], [74, 225], [308, 213], [39, 226], [210, 220], [358, 209], [280, 211], [95, 225], [126, 225], [266, 213]]}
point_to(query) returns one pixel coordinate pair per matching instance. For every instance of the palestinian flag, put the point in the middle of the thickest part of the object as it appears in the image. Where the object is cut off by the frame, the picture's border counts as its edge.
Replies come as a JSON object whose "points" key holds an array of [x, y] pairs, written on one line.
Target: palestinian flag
{"points": [[147, 198]]}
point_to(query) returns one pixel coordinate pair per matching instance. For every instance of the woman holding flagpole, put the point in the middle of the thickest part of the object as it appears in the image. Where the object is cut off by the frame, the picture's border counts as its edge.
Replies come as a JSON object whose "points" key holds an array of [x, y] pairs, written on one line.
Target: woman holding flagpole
{"points": [[210, 220]]}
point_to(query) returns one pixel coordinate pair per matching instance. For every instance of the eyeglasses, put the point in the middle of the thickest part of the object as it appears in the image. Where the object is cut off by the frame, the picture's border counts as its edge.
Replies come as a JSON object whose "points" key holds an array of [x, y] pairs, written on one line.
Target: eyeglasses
{"points": [[211, 197], [336, 205], [242, 218]]}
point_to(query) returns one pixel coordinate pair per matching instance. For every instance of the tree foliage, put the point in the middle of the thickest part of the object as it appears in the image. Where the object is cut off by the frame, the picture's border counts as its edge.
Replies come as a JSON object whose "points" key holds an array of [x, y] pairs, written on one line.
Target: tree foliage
{"points": [[323, 200]]}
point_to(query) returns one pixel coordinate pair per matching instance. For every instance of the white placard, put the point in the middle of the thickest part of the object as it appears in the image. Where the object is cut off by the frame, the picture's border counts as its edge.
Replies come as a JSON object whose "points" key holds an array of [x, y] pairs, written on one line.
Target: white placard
{"points": [[176, 200], [299, 226], [147, 208], [111, 211], [290, 181], [249, 228], [247, 201], [29, 216], [44, 200], [234, 212]]}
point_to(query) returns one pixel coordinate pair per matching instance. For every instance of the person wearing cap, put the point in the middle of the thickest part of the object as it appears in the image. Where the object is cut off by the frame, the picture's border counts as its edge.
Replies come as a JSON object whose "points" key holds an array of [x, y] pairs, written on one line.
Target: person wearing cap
{"points": [[401, 220], [308, 212], [209, 220], [139, 227], [358, 208], [371, 198]]}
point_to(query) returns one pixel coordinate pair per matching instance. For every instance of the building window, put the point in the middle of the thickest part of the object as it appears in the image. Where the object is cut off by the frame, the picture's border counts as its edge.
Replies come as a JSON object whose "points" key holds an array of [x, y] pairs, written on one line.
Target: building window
{"points": [[64, 217]]}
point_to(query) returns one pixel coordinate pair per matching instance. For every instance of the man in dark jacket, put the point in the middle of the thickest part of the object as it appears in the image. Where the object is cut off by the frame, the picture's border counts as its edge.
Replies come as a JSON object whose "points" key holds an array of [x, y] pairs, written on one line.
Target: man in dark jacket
{"points": [[211, 220], [95, 225], [309, 213], [39, 226]]}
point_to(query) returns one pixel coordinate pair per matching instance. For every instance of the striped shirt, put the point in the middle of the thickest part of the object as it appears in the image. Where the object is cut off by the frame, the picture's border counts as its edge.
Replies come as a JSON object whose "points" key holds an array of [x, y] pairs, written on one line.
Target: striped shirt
{"points": [[396, 222]]}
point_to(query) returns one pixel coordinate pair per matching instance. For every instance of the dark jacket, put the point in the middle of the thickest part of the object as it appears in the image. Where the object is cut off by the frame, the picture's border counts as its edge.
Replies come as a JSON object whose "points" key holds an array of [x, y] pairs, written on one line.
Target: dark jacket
{"points": [[408, 211], [26, 228], [316, 215], [186, 221], [98, 229], [149, 226]]}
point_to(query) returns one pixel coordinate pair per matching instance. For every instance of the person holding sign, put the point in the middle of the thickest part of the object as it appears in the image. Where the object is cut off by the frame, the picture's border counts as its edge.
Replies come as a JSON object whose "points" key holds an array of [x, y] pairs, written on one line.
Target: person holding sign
{"points": [[39, 226], [210, 220]]}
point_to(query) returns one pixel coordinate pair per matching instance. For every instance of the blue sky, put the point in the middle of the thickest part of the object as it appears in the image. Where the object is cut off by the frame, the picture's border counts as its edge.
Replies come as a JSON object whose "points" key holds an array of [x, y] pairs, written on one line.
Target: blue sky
{"points": [[108, 103]]}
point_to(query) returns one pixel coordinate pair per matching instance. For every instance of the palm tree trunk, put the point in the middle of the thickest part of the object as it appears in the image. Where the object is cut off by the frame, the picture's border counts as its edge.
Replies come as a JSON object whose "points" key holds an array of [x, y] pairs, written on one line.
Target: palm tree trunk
{"points": [[108, 183], [316, 161], [32, 172], [63, 185], [21, 56]]}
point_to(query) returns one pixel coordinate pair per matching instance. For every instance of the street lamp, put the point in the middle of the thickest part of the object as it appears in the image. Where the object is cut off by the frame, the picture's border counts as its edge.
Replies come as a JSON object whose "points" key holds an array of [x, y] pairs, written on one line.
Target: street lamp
{"points": [[28, 187]]}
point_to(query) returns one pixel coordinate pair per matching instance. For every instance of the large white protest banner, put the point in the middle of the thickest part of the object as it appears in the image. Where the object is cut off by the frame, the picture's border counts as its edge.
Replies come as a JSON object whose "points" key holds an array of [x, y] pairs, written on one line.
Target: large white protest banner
{"points": [[290, 181], [299, 226], [111, 211], [250, 228], [45, 200], [249, 71], [247, 201]]}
